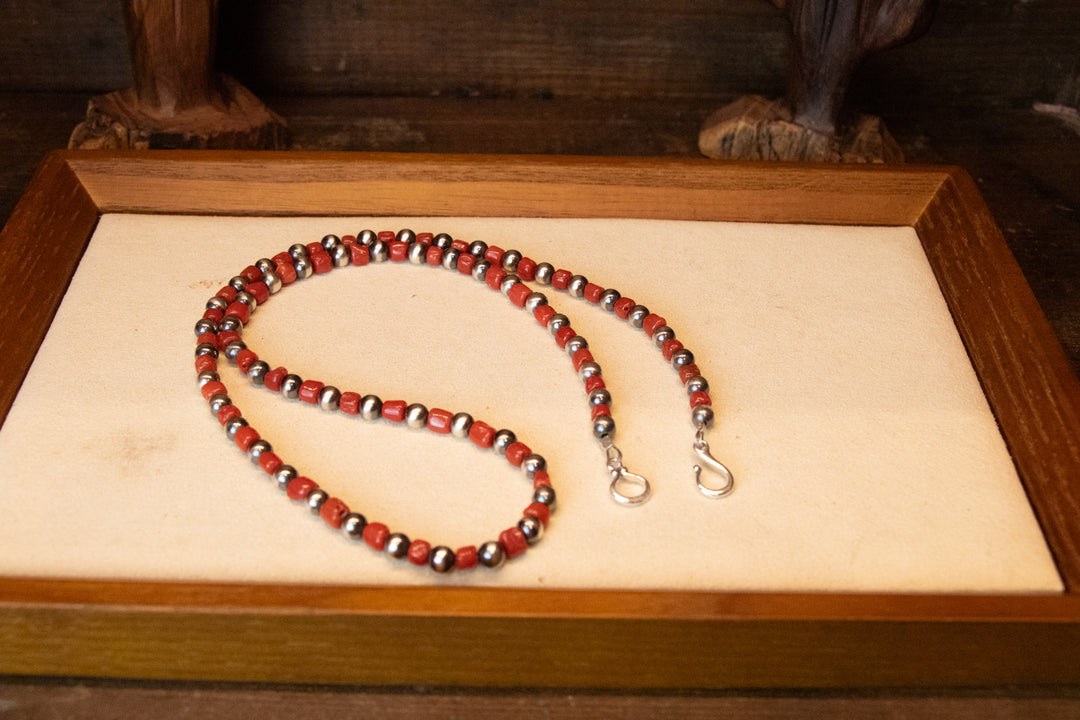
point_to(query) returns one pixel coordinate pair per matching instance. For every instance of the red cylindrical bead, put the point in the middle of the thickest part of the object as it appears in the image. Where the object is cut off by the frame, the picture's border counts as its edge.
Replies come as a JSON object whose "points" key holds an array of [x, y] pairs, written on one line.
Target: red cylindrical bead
{"points": [[425, 237], [482, 434], [214, 314], [541, 479], [394, 410], [419, 552], [592, 292], [513, 541], [581, 357], [359, 254], [516, 453], [315, 247], [563, 335], [309, 391], [518, 293], [669, 347], [438, 420], [333, 512], [245, 436], [226, 336], [269, 462], [211, 389], [460, 245], [205, 362], [494, 254], [350, 403], [594, 382], [560, 279], [287, 272], [321, 262], [434, 255], [228, 293], [688, 371], [465, 557], [282, 257], [543, 314], [699, 397], [375, 535], [526, 269], [208, 337], [540, 511], [244, 358], [299, 488], [651, 322], [465, 263], [227, 413], [259, 291], [600, 410], [252, 273], [348, 239], [240, 311], [399, 251], [272, 379], [623, 306], [386, 235], [494, 277]]}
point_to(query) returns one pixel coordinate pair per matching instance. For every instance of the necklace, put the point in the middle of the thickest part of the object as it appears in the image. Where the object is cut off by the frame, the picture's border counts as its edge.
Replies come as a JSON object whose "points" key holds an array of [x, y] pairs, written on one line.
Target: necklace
{"points": [[219, 332]]}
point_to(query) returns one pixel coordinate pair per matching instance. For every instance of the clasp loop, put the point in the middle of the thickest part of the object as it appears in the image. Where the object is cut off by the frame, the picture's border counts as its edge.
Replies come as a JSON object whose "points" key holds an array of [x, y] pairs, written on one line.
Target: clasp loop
{"points": [[701, 447], [621, 479]]}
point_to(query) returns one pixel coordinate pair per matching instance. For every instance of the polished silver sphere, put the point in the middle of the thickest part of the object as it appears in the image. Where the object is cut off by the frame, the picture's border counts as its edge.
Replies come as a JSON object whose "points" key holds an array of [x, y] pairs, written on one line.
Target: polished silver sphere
{"points": [[702, 417], [416, 416], [637, 316], [371, 407], [480, 269], [290, 386], [340, 255], [257, 448], [257, 372], [534, 300], [442, 559], [284, 475], [234, 424], [265, 265], [503, 439], [576, 286], [233, 348], [230, 324], [491, 554], [330, 398], [588, 369], [608, 298], [379, 251], [478, 248], [556, 322], [405, 235], [697, 384], [545, 494], [218, 401], [206, 349], [576, 343], [273, 281], [207, 376], [366, 238], [205, 325], [442, 241], [603, 428], [460, 425], [600, 396], [682, 357], [329, 242], [303, 267], [510, 260], [298, 250], [217, 302], [238, 282], [508, 283], [532, 464], [417, 253], [531, 528], [397, 545], [450, 258], [662, 334], [543, 273], [353, 526], [316, 499]]}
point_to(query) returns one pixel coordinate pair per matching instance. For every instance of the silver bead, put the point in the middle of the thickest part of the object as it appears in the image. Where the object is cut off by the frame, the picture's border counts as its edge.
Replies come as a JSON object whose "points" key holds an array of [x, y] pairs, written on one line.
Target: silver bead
{"points": [[460, 425], [340, 255], [257, 372], [239, 282], [576, 343], [416, 416], [479, 270], [397, 545], [702, 417], [316, 499], [303, 267], [284, 475], [379, 251], [556, 321], [218, 401], [366, 237], [248, 299], [353, 526], [662, 334], [206, 349], [233, 347], [608, 298], [265, 265], [290, 386], [682, 357], [510, 260], [442, 559], [450, 258], [257, 448], [491, 554], [603, 428], [508, 282], [576, 286], [600, 396], [637, 316], [230, 324], [273, 281], [370, 407], [234, 424], [217, 302], [417, 253], [534, 300], [543, 273], [477, 248], [329, 242], [298, 250], [697, 384], [588, 370], [531, 527], [205, 325], [442, 241], [545, 494], [207, 376], [503, 439], [405, 235], [330, 398], [533, 464]]}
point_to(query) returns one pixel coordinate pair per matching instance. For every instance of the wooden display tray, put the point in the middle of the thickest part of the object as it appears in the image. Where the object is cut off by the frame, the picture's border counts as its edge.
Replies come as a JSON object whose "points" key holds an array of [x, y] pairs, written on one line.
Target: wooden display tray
{"points": [[443, 636]]}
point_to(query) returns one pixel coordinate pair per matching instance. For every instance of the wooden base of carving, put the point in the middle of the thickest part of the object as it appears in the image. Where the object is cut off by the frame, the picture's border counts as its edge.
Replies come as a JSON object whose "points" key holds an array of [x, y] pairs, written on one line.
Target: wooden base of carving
{"points": [[753, 128], [237, 120]]}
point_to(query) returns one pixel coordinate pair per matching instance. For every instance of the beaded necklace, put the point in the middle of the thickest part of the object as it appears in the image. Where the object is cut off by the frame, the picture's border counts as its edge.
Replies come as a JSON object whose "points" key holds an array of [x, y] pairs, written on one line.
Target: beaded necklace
{"points": [[227, 312]]}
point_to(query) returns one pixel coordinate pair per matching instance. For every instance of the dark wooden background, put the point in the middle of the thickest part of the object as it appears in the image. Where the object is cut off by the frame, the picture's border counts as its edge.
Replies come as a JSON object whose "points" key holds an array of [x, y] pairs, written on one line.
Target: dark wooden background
{"points": [[593, 77]]}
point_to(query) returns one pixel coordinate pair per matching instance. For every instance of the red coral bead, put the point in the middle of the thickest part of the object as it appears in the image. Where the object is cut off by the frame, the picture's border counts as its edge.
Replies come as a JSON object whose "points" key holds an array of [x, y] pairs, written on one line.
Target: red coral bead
{"points": [[208, 337], [359, 254], [651, 322], [211, 389], [592, 292], [434, 255], [309, 391], [272, 379], [518, 293], [465, 263], [543, 314], [348, 239], [438, 420], [513, 541], [699, 397], [245, 436], [240, 311], [226, 336], [581, 357], [269, 462], [394, 410], [387, 236], [399, 250], [375, 535], [213, 314], [315, 247], [460, 245], [350, 403], [563, 335], [321, 262], [282, 257], [228, 293], [227, 413], [465, 557], [599, 410], [259, 291], [540, 479], [333, 512], [286, 271], [494, 277], [623, 306], [516, 453], [494, 254], [299, 488], [252, 273], [526, 269], [244, 358], [540, 511], [669, 347], [482, 434], [688, 371], [594, 382], [560, 279], [419, 552], [425, 237], [205, 362]]}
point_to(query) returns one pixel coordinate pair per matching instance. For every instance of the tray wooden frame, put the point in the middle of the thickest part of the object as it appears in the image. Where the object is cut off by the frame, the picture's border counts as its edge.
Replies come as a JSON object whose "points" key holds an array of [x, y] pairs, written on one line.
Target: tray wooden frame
{"points": [[548, 638]]}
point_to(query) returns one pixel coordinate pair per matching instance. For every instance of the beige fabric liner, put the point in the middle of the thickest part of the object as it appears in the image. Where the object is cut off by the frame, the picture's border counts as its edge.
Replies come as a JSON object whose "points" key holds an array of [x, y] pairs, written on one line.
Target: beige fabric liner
{"points": [[865, 454]]}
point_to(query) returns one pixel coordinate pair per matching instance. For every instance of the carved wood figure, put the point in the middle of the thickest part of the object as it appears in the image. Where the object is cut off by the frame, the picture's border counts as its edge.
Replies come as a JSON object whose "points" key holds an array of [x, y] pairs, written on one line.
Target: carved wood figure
{"points": [[178, 101], [830, 39]]}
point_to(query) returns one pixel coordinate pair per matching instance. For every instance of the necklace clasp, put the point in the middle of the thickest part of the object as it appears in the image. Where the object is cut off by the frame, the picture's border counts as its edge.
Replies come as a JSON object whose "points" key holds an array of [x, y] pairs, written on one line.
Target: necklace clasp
{"points": [[701, 447]]}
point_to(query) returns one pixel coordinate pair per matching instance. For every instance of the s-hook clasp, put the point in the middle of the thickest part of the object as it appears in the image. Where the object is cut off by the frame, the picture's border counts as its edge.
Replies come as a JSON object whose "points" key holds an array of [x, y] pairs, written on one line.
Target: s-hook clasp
{"points": [[622, 478], [701, 447]]}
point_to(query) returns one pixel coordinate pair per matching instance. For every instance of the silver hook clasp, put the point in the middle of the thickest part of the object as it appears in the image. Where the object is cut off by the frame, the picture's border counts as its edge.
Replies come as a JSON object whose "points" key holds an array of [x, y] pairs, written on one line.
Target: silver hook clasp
{"points": [[622, 478], [701, 447]]}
